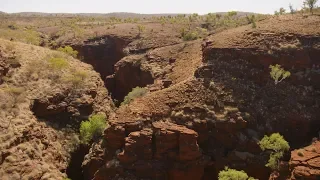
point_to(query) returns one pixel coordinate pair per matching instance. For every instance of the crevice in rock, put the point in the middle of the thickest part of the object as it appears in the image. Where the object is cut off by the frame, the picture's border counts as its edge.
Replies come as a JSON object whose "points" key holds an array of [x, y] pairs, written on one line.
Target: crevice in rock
{"points": [[154, 145], [102, 53], [74, 169], [128, 76]]}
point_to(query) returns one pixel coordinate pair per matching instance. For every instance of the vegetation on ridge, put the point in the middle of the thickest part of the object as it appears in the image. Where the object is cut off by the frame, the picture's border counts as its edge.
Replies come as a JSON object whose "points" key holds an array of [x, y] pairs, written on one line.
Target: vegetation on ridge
{"points": [[135, 93], [68, 50]]}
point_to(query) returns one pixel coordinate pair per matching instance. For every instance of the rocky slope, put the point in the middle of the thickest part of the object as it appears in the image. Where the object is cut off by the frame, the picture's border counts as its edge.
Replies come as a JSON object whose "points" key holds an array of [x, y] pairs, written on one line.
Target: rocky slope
{"points": [[198, 125], [120, 55], [42, 103]]}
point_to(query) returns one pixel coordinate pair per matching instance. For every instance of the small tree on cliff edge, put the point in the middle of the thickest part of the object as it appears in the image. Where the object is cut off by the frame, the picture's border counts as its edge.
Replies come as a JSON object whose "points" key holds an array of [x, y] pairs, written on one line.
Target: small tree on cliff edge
{"points": [[278, 145], [311, 4]]}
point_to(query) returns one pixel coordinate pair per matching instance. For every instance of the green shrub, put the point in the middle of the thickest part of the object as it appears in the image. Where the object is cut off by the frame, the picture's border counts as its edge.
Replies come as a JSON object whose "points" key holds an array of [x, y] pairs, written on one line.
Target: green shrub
{"points": [[252, 20], [58, 63], [89, 130], [189, 36], [136, 92], [232, 174], [232, 13], [141, 28], [68, 50], [278, 144], [277, 72]]}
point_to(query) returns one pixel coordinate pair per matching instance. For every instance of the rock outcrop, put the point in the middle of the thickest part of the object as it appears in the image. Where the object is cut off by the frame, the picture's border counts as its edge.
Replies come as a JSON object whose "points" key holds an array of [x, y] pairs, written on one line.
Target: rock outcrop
{"points": [[196, 127], [305, 162], [129, 73], [41, 112]]}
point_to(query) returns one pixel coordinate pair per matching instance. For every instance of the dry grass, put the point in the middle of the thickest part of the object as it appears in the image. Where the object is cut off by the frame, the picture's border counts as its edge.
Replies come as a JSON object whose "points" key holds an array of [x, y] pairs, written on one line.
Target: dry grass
{"points": [[26, 36]]}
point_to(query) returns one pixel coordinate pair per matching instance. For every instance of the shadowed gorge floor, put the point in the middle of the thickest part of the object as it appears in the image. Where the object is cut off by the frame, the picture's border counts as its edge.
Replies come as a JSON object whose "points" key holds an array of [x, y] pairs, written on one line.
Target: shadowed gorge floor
{"points": [[74, 169]]}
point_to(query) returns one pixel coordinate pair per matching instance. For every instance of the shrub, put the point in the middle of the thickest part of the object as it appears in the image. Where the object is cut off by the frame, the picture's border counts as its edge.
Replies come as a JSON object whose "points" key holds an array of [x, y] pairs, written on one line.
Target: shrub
{"points": [[277, 72], [278, 144], [13, 26], [289, 47], [232, 13], [68, 50], [300, 153], [58, 63], [193, 34], [189, 36], [136, 92], [141, 28], [232, 174], [282, 11], [252, 20], [92, 129]]}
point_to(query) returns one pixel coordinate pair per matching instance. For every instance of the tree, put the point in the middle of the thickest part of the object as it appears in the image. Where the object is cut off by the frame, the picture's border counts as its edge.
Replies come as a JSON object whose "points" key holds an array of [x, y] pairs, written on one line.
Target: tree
{"points": [[282, 11], [278, 72], [311, 4], [232, 174], [291, 9], [278, 145], [92, 129], [232, 13]]}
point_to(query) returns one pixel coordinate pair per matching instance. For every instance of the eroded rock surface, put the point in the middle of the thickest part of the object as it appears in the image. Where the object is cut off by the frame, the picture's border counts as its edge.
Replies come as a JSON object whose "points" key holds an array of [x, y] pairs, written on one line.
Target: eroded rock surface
{"points": [[35, 142], [305, 162]]}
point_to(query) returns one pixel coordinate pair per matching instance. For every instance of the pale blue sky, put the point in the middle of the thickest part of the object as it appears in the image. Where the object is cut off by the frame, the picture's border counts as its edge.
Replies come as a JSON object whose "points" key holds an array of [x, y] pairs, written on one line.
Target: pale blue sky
{"points": [[145, 6]]}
